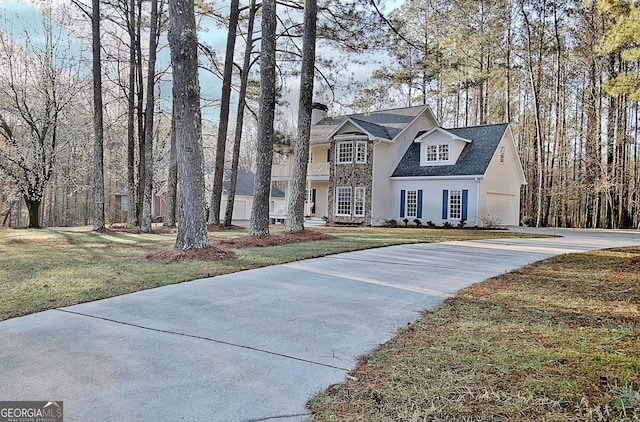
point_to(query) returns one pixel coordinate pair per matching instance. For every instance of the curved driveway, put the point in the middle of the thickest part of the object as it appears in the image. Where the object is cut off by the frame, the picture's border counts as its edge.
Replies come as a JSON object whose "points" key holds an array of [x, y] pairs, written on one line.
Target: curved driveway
{"points": [[249, 346]]}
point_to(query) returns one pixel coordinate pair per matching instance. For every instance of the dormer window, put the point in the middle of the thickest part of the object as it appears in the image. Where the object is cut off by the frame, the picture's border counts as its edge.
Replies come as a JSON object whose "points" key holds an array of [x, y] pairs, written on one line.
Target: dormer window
{"points": [[432, 153], [443, 152], [436, 153]]}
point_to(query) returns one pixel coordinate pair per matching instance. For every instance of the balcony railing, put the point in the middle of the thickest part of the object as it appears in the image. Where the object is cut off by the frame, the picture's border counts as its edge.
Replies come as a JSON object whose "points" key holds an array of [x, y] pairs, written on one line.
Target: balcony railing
{"points": [[314, 169]]}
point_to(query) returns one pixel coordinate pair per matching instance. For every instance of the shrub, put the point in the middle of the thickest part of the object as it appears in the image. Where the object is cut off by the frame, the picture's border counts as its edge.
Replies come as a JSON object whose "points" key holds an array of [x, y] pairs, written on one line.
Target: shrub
{"points": [[417, 222], [392, 223], [528, 221], [406, 221], [490, 222], [447, 225]]}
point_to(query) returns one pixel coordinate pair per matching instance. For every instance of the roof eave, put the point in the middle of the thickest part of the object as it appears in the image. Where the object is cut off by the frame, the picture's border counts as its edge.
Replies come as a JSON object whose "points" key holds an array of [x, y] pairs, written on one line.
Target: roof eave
{"points": [[477, 177]]}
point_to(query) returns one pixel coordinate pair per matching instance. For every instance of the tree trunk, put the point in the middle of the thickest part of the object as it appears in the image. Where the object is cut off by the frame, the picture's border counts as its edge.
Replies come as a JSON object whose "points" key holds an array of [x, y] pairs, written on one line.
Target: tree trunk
{"points": [[98, 144], [259, 225], [33, 206], [225, 99], [183, 41], [132, 190], [140, 112], [295, 212], [244, 77], [172, 179], [149, 114]]}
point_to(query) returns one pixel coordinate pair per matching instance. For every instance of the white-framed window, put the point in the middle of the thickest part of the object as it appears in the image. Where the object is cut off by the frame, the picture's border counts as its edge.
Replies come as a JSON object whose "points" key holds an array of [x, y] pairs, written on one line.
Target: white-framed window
{"points": [[503, 154], [361, 152], [432, 153], [344, 152], [411, 205], [124, 203], [436, 153], [358, 202], [455, 205], [443, 152], [343, 201]]}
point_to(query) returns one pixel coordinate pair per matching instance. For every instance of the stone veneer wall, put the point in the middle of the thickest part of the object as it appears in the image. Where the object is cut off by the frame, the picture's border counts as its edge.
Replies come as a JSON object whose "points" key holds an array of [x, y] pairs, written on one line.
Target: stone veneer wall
{"points": [[354, 176]]}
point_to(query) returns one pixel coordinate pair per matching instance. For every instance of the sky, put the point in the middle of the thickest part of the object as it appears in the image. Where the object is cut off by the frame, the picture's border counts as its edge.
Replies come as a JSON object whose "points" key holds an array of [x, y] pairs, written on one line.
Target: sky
{"points": [[18, 16]]}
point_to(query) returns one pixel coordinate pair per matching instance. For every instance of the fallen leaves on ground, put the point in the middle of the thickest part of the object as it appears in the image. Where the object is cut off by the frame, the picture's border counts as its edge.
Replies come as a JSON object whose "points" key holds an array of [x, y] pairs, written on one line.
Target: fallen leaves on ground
{"points": [[223, 249]]}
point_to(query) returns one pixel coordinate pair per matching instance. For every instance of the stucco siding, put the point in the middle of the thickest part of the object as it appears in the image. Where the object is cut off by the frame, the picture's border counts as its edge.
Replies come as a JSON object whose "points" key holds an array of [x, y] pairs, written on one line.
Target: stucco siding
{"points": [[500, 185], [385, 160], [432, 199]]}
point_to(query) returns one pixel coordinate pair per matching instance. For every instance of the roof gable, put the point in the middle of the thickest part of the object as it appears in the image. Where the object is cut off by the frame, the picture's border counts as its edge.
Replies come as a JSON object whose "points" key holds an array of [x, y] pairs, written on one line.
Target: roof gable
{"points": [[473, 160], [383, 125], [424, 136]]}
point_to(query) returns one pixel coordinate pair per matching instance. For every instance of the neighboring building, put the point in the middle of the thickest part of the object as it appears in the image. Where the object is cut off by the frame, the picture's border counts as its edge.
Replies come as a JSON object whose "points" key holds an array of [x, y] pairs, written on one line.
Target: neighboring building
{"points": [[243, 200], [158, 205], [242, 204], [369, 168]]}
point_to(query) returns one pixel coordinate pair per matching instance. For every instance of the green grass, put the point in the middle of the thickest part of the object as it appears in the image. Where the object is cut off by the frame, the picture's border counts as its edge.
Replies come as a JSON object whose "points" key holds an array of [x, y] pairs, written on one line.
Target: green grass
{"points": [[558, 340], [50, 268]]}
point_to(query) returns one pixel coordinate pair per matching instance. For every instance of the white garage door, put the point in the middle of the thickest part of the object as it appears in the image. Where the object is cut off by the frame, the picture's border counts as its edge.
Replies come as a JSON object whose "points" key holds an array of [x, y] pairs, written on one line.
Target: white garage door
{"points": [[239, 210], [500, 209]]}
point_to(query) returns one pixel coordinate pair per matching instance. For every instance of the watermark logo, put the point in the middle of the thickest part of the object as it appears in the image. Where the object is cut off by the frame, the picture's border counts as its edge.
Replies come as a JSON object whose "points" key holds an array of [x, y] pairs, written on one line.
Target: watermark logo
{"points": [[31, 411]]}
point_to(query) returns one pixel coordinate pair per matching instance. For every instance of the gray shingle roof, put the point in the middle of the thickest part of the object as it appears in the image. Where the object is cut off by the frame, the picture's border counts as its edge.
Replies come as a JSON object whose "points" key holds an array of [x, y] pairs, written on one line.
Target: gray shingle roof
{"points": [[244, 184], [381, 124], [473, 160], [377, 130]]}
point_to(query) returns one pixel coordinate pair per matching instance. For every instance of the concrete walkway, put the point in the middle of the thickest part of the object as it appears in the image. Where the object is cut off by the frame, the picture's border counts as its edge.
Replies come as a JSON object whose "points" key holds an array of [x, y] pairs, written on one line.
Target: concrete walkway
{"points": [[249, 346]]}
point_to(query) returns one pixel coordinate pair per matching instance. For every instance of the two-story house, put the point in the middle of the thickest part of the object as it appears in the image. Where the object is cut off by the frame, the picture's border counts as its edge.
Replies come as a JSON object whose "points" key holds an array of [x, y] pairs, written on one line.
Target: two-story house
{"points": [[398, 164]]}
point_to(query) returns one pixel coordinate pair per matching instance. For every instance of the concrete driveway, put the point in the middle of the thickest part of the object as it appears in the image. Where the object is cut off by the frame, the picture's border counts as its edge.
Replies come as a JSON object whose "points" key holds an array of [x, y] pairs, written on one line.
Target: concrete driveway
{"points": [[249, 346]]}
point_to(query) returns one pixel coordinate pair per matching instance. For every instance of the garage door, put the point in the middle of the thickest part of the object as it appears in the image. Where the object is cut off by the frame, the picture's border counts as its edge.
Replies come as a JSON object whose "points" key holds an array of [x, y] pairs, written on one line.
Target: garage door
{"points": [[500, 209], [239, 210]]}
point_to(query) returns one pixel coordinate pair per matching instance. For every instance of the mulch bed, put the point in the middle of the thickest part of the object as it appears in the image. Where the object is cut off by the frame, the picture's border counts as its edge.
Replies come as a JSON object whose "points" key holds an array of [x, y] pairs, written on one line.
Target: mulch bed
{"points": [[174, 255], [282, 238], [223, 248]]}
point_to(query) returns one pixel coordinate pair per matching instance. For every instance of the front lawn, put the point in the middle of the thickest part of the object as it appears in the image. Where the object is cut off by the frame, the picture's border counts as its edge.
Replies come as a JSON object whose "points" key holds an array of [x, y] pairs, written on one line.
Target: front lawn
{"points": [[51, 268], [558, 340]]}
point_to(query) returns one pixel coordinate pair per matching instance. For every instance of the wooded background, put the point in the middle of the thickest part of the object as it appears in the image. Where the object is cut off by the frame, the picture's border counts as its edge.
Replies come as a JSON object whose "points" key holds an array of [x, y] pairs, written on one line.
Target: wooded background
{"points": [[564, 74]]}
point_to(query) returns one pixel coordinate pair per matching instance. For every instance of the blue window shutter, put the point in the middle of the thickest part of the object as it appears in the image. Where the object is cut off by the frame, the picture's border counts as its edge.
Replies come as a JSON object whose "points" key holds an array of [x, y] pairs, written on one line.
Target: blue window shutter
{"points": [[465, 200], [445, 204], [419, 203], [403, 195]]}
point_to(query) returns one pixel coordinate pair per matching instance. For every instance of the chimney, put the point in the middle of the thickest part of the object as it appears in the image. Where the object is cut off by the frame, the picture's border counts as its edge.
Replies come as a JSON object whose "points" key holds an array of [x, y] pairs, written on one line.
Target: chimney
{"points": [[318, 112]]}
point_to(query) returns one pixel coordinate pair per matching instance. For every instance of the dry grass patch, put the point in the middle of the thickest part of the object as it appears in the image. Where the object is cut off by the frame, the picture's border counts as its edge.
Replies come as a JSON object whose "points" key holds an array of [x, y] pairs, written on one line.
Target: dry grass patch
{"points": [[558, 340], [51, 268]]}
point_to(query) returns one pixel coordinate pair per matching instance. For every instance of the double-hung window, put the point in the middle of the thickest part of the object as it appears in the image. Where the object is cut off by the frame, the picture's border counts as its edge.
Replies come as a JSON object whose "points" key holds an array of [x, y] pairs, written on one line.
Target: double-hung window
{"points": [[443, 152], [412, 204], [343, 201], [361, 152], [358, 202], [436, 153], [344, 152], [432, 153], [455, 205]]}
